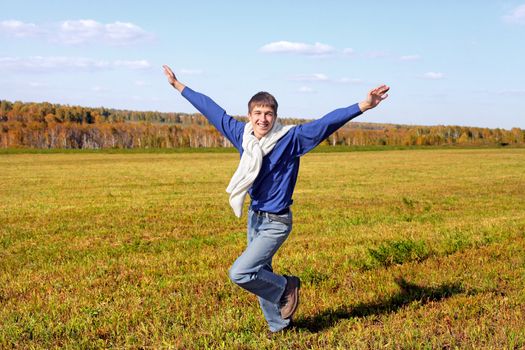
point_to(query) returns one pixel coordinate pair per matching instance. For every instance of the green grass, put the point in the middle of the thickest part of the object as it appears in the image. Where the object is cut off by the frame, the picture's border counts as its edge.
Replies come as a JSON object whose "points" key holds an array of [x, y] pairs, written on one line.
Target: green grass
{"points": [[396, 249], [399, 252]]}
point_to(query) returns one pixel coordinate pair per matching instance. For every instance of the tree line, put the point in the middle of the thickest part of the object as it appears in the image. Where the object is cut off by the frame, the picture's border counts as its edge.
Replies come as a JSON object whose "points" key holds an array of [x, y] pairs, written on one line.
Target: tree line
{"points": [[46, 125]]}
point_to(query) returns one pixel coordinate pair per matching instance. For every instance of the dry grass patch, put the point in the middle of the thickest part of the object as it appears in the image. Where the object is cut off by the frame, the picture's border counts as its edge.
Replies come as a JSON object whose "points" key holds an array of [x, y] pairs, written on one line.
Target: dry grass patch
{"points": [[396, 249]]}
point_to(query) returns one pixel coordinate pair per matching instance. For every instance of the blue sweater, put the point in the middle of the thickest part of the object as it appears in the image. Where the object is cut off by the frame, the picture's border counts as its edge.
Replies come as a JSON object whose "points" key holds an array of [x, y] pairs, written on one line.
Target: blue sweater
{"points": [[273, 188]]}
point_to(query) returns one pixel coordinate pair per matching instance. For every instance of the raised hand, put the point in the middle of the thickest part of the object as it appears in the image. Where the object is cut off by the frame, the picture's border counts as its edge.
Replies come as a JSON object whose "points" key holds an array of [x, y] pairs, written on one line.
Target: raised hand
{"points": [[172, 79], [374, 97]]}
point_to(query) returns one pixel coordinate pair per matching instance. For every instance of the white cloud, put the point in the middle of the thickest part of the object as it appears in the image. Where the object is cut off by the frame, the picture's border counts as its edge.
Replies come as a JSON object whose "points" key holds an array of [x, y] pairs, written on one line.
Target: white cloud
{"points": [[350, 81], [320, 77], [324, 50], [433, 75], [124, 31], [306, 90], [90, 31], [517, 16], [75, 32], [191, 71], [139, 64], [410, 58], [316, 49], [46, 64], [311, 77], [19, 29]]}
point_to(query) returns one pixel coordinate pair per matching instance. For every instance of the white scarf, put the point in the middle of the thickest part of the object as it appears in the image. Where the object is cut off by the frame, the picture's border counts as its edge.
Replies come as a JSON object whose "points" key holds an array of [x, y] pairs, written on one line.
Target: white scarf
{"points": [[251, 162]]}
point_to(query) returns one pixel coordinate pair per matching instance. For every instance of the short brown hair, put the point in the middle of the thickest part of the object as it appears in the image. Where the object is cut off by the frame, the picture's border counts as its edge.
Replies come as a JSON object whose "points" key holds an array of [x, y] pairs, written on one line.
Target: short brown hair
{"points": [[265, 99]]}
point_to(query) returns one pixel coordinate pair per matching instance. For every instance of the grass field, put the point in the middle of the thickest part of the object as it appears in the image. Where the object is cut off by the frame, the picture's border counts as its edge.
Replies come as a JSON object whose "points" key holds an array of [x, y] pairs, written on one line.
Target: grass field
{"points": [[396, 249]]}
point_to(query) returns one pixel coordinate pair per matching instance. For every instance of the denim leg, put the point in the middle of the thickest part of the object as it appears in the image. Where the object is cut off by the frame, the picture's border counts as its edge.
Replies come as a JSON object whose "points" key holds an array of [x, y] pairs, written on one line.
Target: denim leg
{"points": [[252, 224], [272, 314], [253, 269]]}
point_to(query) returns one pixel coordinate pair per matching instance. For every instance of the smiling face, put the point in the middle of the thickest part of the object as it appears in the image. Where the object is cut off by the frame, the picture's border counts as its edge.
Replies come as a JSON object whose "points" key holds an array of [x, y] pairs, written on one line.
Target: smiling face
{"points": [[262, 113], [262, 119]]}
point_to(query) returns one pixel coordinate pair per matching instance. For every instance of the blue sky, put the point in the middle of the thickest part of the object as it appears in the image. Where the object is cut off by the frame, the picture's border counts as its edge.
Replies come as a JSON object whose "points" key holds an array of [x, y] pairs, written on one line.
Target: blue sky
{"points": [[447, 62]]}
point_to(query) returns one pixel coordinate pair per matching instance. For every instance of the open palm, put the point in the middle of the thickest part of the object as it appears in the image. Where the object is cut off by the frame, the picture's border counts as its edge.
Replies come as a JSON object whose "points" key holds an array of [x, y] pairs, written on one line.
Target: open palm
{"points": [[375, 96]]}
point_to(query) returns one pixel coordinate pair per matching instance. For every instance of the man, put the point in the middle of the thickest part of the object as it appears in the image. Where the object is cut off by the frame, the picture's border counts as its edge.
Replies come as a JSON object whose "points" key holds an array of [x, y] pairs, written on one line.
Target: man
{"points": [[268, 171]]}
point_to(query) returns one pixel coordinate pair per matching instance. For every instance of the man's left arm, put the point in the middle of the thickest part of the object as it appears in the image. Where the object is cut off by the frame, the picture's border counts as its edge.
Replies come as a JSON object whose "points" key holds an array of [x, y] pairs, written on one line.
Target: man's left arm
{"points": [[309, 135]]}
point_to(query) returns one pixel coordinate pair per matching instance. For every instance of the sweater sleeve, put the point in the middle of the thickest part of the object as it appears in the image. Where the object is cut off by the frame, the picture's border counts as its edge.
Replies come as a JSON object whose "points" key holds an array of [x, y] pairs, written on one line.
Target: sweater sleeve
{"points": [[309, 135], [231, 128]]}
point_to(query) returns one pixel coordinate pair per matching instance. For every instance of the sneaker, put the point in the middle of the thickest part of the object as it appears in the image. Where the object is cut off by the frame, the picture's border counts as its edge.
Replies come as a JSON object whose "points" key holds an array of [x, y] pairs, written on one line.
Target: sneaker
{"points": [[290, 298]]}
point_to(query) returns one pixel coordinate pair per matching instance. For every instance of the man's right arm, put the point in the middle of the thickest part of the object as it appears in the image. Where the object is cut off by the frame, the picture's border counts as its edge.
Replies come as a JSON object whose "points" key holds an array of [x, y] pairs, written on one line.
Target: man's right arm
{"points": [[228, 126], [231, 128]]}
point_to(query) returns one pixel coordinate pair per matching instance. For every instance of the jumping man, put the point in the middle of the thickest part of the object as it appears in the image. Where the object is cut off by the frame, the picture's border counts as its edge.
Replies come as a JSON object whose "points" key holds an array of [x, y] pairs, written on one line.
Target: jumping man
{"points": [[268, 171]]}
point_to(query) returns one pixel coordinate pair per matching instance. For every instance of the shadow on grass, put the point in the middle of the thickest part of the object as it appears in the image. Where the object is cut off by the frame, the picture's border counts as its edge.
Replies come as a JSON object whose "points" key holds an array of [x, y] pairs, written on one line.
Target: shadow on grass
{"points": [[409, 292]]}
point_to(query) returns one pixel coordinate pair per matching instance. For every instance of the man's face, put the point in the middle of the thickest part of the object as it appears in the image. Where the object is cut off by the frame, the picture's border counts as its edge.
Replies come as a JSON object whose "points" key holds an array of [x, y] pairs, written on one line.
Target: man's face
{"points": [[262, 119]]}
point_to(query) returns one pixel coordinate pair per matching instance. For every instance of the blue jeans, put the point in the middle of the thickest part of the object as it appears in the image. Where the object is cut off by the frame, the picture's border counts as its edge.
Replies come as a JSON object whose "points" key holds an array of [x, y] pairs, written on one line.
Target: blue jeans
{"points": [[253, 269]]}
